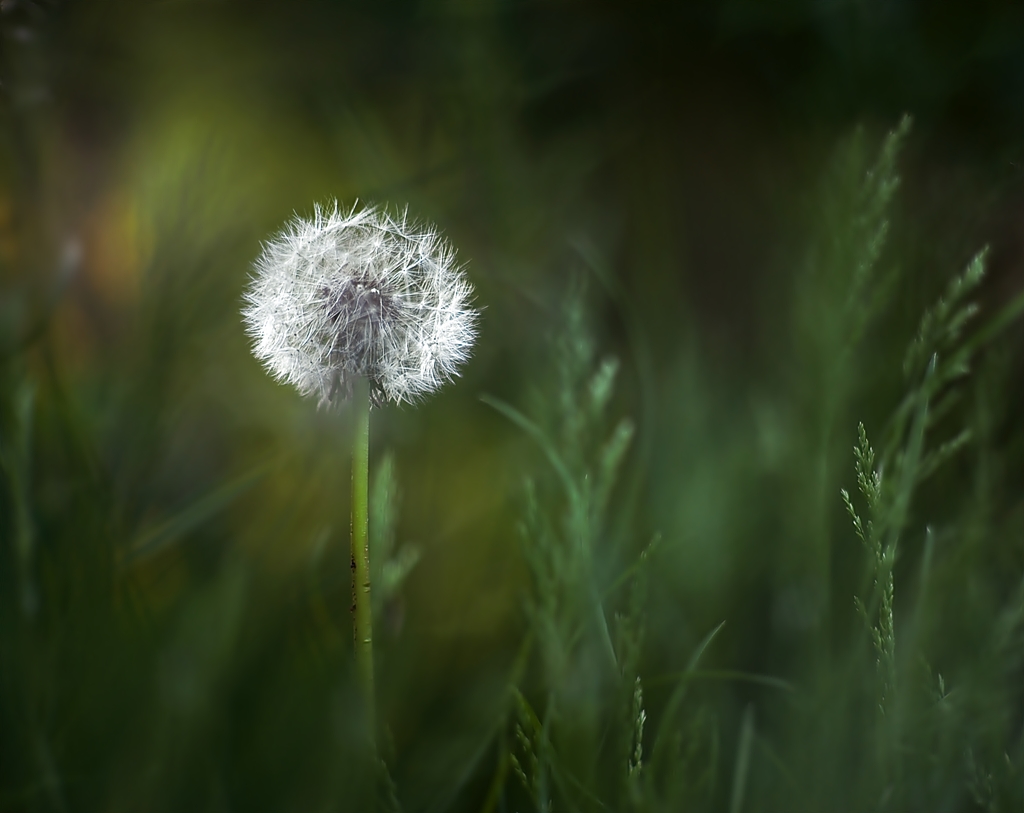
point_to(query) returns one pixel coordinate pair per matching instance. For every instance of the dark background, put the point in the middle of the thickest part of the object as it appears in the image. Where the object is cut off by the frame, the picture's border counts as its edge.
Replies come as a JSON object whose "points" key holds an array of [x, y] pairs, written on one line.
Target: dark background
{"points": [[669, 158]]}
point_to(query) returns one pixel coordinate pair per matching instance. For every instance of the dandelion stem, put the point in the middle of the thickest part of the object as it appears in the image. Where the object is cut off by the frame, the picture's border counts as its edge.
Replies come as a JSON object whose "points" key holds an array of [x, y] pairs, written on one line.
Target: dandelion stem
{"points": [[361, 607]]}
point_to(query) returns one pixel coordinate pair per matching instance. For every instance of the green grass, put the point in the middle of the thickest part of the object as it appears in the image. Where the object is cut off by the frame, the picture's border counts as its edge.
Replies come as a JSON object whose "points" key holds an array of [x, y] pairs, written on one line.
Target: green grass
{"points": [[724, 514]]}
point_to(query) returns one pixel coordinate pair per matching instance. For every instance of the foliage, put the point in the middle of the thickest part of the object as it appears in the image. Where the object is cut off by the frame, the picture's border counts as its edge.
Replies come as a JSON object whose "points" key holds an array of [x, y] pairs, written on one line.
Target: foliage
{"points": [[632, 565]]}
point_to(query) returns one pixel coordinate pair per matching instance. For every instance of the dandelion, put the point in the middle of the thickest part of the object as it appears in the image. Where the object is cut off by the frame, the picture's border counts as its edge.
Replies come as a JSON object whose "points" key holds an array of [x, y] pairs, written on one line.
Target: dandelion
{"points": [[360, 295], [365, 306]]}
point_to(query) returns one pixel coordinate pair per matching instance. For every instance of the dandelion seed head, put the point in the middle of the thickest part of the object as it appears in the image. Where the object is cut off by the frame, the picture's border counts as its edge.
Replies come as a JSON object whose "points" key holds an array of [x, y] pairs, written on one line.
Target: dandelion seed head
{"points": [[360, 294]]}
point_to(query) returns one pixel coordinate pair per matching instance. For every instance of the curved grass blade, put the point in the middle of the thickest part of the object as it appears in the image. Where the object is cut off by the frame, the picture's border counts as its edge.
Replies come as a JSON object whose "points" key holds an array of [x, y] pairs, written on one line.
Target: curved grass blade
{"points": [[192, 517]]}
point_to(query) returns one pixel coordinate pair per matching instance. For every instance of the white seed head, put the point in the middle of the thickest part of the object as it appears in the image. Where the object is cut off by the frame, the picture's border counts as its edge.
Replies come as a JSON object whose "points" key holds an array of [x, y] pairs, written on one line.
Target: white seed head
{"points": [[363, 294]]}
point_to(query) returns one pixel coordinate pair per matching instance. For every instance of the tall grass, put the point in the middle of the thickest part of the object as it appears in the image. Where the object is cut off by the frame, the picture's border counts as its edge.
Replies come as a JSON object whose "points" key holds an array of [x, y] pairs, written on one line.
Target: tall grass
{"points": [[677, 540]]}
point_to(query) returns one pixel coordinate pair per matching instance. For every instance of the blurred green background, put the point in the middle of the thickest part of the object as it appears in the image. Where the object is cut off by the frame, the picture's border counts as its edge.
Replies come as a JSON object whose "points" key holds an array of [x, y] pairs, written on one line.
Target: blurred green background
{"points": [[174, 582]]}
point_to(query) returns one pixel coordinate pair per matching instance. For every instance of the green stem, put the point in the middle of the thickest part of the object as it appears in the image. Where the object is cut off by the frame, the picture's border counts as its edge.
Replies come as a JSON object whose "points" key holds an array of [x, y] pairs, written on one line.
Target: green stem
{"points": [[361, 608]]}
